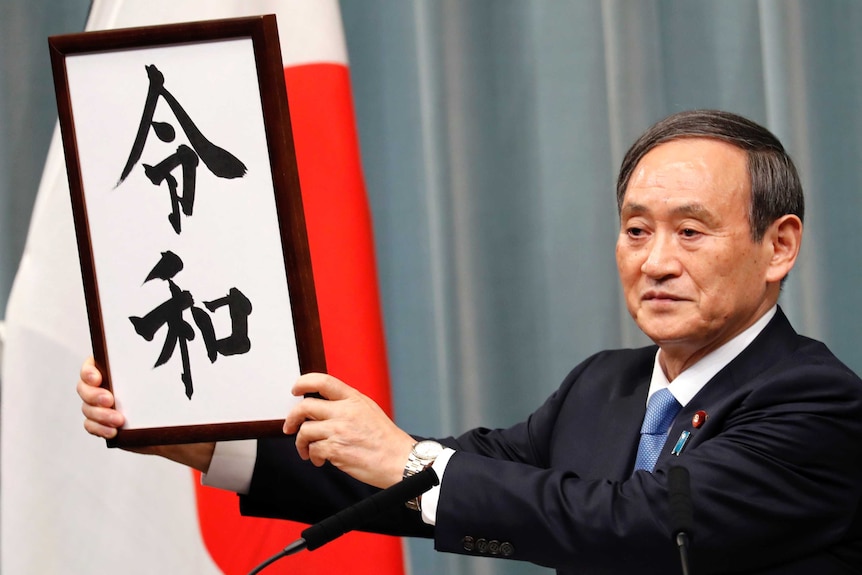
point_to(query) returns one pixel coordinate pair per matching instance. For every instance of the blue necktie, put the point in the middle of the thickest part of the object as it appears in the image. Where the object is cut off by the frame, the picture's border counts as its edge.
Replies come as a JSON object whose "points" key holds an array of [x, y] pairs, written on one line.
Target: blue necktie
{"points": [[662, 407]]}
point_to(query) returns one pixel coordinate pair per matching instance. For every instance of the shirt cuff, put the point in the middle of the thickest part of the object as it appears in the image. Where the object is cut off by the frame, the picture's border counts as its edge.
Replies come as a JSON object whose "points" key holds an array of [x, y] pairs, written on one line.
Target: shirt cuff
{"points": [[431, 497], [232, 465]]}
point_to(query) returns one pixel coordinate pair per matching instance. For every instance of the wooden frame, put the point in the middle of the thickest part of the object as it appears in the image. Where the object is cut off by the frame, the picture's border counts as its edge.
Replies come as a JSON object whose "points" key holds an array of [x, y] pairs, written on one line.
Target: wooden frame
{"points": [[189, 223]]}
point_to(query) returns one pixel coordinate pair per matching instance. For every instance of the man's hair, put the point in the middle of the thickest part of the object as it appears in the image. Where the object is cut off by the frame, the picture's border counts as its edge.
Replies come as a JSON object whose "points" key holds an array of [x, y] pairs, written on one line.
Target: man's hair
{"points": [[775, 186]]}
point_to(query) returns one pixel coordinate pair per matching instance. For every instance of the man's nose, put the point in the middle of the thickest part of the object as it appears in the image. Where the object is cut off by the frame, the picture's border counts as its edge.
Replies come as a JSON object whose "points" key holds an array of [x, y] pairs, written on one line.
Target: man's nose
{"points": [[662, 259]]}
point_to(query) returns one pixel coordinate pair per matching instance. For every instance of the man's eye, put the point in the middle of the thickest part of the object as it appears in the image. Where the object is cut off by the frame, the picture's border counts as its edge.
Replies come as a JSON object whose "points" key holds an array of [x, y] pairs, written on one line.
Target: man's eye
{"points": [[690, 233], [635, 232]]}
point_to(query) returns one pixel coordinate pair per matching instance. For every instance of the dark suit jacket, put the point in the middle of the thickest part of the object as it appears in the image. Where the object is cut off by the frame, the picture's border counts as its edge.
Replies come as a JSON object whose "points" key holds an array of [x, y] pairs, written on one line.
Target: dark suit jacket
{"points": [[776, 472]]}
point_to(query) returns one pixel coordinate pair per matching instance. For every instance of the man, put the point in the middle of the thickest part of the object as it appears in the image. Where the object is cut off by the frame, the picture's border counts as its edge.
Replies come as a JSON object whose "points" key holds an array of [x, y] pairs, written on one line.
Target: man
{"points": [[767, 422]]}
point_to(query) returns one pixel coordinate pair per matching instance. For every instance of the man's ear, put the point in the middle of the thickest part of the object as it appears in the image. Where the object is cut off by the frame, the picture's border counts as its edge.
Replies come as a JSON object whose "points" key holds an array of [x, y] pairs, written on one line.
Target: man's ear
{"points": [[785, 238]]}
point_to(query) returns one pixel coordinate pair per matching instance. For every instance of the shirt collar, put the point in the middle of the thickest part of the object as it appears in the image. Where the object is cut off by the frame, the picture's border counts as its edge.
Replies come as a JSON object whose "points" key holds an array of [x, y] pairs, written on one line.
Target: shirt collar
{"points": [[691, 380]]}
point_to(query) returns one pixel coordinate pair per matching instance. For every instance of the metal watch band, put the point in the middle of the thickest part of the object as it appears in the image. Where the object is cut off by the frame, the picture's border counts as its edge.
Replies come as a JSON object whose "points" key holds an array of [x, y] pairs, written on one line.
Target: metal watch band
{"points": [[414, 465]]}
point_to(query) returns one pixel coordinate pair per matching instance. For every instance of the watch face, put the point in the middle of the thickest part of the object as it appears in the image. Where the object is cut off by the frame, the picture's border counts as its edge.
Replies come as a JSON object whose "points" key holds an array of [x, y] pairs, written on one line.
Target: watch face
{"points": [[427, 449]]}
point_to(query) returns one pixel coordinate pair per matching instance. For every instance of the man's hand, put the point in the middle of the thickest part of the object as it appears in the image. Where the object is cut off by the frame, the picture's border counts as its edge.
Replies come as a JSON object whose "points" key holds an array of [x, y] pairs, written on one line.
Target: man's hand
{"points": [[103, 420], [347, 429]]}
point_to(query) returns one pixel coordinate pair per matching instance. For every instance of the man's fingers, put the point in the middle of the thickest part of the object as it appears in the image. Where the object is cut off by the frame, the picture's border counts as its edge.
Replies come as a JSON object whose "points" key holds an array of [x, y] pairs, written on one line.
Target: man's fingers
{"points": [[309, 408], [89, 374], [99, 430], [95, 395], [88, 386], [311, 441], [317, 455], [101, 419], [326, 385], [103, 416]]}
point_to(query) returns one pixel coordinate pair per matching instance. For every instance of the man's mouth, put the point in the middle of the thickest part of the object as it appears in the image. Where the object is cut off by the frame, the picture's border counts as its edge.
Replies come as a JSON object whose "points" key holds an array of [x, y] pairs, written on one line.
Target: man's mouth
{"points": [[660, 296]]}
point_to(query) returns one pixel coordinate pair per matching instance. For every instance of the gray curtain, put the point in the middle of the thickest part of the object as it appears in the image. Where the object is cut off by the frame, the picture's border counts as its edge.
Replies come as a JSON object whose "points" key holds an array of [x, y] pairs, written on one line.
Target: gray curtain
{"points": [[491, 131]]}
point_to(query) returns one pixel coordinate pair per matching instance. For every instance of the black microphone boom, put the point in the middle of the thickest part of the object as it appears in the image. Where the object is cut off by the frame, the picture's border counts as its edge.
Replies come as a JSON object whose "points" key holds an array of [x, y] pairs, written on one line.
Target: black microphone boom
{"points": [[358, 514], [681, 512]]}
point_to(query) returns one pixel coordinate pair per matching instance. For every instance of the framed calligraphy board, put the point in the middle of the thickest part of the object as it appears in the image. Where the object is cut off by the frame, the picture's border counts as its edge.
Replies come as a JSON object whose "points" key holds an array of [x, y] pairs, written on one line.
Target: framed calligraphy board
{"points": [[189, 224]]}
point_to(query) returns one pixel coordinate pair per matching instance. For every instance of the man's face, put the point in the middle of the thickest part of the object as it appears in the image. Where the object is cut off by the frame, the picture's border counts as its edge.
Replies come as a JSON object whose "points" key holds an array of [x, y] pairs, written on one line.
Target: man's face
{"points": [[691, 274]]}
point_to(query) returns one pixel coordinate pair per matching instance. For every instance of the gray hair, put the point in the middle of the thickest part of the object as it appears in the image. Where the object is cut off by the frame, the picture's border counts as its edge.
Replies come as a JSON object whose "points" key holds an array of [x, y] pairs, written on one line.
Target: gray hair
{"points": [[775, 186]]}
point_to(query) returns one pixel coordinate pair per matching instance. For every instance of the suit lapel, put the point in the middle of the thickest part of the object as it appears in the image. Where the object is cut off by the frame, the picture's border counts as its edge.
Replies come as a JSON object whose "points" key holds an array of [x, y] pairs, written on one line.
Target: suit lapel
{"points": [[776, 341], [619, 425]]}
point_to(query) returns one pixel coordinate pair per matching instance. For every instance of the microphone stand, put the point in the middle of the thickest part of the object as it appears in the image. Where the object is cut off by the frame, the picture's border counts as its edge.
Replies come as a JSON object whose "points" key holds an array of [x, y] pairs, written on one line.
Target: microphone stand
{"points": [[356, 515], [294, 547], [682, 543]]}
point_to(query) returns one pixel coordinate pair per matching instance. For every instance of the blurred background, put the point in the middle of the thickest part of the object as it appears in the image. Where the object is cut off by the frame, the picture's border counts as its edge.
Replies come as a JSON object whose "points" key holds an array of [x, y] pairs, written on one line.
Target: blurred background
{"points": [[490, 134]]}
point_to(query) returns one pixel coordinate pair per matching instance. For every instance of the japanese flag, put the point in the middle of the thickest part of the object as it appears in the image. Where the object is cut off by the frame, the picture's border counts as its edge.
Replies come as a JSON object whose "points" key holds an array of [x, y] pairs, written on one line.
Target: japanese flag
{"points": [[70, 505]]}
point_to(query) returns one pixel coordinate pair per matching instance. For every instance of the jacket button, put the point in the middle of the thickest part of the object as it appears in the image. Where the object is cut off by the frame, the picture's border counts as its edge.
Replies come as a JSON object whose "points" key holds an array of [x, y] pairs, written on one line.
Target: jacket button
{"points": [[482, 545], [507, 549], [468, 543], [494, 547]]}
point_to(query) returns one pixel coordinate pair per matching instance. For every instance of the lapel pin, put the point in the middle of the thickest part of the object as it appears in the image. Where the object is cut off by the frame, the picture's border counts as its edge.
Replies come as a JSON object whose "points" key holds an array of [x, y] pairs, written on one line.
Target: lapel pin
{"points": [[698, 418], [680, 443]]}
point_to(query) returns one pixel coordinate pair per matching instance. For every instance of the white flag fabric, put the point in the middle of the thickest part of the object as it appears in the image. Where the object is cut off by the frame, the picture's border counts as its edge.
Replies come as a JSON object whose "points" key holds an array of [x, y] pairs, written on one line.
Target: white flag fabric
{"points": [[72, 506]]}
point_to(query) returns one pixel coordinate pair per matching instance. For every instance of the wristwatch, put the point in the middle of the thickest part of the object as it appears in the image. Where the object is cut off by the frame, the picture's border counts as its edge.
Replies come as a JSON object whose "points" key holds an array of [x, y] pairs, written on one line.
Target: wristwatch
{"points": [[421, 457]]}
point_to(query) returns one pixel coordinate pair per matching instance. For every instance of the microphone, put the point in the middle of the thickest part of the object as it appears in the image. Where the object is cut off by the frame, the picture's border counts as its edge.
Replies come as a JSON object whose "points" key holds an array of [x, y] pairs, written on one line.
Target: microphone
{"points": [[681, 513], [357, 514]]}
